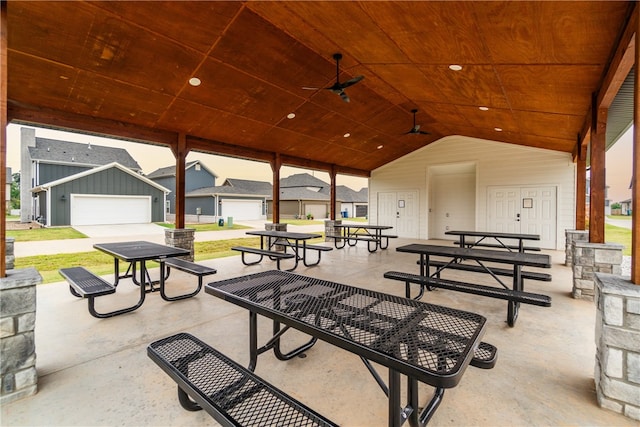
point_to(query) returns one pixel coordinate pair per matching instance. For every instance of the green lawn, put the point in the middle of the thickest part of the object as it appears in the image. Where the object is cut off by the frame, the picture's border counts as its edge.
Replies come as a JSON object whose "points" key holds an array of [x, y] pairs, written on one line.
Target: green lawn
{"points": [[619, 235], [36, 234], [102, 264]]}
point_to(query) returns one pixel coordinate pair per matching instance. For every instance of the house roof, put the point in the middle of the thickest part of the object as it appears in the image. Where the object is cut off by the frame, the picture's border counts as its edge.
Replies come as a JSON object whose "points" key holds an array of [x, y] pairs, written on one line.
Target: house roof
{"points": [[226, 190], [170, 171], [347, 195], [256, 187], [302, 180], [83, 154], [88, 172], [301, 193]]}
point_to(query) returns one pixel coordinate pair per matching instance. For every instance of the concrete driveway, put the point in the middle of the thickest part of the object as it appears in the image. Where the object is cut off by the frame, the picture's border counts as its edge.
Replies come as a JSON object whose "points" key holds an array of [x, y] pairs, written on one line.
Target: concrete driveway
{"points": [[120, 230], [624, 223]]}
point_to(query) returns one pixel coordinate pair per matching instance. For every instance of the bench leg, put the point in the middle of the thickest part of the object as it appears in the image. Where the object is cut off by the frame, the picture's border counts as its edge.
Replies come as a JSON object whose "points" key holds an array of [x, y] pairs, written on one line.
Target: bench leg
{"points": [[177, 297], [375, 246], [254, 262], [73, 292], [304, 258], [94, 313], [186, 402], [384, 245]]}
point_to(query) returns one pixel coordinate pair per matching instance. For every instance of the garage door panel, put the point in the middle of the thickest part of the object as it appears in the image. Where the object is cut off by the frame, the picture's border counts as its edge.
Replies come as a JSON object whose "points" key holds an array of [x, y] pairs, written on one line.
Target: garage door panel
{"points": [[242, 209], [109, 209]]}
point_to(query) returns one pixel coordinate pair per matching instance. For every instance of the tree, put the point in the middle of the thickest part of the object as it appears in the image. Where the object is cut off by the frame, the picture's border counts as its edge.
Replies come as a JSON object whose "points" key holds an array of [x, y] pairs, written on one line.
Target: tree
{"points": [[15, 191]]}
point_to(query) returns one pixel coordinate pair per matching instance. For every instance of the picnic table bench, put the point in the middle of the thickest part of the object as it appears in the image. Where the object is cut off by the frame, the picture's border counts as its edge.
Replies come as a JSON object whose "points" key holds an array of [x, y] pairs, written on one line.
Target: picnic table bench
{"points": [[230, 393], [500, 240], [351, 234], [189, 267], [273, 255], [270, 240], [516, 260]]}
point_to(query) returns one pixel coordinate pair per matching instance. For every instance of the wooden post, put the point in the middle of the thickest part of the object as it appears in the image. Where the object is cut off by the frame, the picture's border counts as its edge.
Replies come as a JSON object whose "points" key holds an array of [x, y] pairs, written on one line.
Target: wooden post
{"points": [[597, 190], [635, 171], [275, 168], [3, 137], [581, 189], [332, 197], [180, 152]]}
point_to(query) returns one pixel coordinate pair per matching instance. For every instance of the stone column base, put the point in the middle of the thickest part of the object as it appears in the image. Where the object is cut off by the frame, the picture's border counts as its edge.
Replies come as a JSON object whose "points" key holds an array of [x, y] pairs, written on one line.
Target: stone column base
{"points": [[590, 258], [617, 368], [269, 226], [330, 230], [182, 238], [570, 237], [17, 334]]}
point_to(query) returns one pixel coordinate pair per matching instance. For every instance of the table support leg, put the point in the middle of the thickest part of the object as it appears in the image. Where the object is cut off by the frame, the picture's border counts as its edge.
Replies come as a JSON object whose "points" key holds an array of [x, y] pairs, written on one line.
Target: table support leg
{"points": [[395, 412], [431, 407]]}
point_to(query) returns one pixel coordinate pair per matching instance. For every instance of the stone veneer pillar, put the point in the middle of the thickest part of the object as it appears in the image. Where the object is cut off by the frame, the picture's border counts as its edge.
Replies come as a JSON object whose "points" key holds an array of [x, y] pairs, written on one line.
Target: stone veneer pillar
{"points": [[269, 226], [182, 238], [17, 334], [570, 237], [617, 368], [330, 230], [590, 258]]}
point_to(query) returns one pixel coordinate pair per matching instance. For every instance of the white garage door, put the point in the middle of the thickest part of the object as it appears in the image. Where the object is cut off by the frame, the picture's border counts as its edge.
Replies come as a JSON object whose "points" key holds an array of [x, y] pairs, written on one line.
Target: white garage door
{"points": [[109, 209], [242, 209], [318, 211]]}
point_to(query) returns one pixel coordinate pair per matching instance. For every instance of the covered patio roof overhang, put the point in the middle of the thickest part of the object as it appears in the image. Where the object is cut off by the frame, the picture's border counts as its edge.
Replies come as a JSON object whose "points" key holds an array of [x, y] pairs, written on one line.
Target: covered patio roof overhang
{"points": [[248, 79]]}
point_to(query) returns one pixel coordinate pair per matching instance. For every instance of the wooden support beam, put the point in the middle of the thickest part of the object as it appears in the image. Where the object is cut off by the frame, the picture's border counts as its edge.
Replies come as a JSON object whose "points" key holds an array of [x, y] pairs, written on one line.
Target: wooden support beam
{"points": [[3, 137], [597, 190], [180, 151], [77, 123], [276, 163], [581, 191], [635, 173], [332, 197]]}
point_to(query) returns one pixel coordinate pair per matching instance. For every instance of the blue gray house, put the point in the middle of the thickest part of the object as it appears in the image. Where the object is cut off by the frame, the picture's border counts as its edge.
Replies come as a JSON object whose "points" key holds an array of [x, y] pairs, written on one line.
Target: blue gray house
{"points": [[88, 198], [197, 176], [95, 191]]}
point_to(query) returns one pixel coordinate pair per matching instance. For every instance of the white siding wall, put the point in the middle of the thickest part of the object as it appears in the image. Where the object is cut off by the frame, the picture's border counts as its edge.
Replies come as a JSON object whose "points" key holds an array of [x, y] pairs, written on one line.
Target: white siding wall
{"points": [[497, 164]]}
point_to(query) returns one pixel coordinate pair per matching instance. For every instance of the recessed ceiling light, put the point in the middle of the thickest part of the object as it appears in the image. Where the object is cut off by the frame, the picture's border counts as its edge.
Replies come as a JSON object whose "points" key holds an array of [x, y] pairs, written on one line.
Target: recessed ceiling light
{"points": [[194, 81], [380, 146], [291, 115], [347, 135], [484, 108], [455, 67], [498, 129]]}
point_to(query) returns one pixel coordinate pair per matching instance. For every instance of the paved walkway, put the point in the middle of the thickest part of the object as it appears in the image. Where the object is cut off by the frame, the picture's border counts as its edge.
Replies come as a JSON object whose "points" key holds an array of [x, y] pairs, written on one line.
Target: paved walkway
{"points": [[151, 233], [624, 223]]}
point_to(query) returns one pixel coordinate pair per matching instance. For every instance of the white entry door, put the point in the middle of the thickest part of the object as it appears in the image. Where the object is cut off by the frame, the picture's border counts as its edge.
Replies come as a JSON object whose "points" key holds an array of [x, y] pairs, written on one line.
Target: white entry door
{"points": [[401, 211], [530, 210]]}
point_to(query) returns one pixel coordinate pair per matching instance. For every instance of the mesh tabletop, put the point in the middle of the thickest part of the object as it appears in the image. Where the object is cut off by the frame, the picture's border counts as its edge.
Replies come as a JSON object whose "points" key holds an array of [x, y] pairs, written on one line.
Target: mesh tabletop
{"points": [[140, 250], [429, 342], [519, 258]]}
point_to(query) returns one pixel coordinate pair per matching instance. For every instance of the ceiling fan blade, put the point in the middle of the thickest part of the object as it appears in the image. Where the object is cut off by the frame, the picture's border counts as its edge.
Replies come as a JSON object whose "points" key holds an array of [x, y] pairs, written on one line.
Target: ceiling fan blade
{"points": [[351, 81], [344, 96]]}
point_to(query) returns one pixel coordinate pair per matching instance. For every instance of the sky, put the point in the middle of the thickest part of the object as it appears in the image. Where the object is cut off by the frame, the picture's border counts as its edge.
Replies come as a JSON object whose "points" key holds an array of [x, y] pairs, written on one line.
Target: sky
{"points": [[618, 168], [151, 157]]}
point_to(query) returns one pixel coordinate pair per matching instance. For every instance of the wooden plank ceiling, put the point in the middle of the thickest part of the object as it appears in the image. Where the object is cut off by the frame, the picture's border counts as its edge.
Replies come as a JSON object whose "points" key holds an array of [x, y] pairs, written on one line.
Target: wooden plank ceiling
{"points": [[534, 65]]}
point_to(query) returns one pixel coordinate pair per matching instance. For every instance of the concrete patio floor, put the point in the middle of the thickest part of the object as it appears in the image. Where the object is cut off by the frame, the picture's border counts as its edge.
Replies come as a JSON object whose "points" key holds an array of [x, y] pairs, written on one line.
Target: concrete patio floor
{"points": [[96, 371]]}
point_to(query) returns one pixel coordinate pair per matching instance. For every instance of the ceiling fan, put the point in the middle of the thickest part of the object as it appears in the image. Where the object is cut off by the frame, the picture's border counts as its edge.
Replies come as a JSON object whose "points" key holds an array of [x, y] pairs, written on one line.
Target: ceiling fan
{"points": [[415, 130], [338, 88]]}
